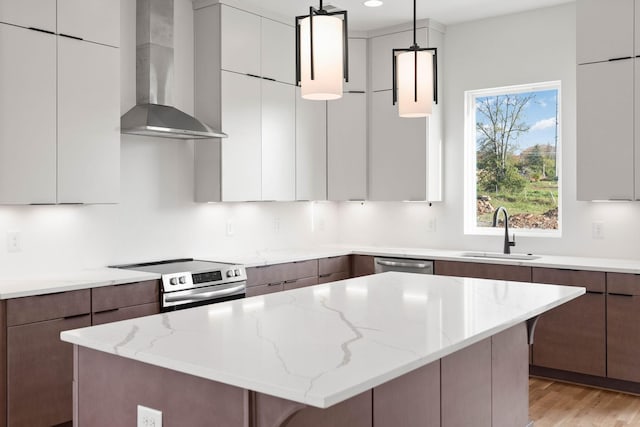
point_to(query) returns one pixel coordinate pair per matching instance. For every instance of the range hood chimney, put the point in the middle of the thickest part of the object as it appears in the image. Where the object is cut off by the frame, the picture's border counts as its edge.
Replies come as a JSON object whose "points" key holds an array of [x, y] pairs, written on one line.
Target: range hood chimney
{"points": [[154, 115]]}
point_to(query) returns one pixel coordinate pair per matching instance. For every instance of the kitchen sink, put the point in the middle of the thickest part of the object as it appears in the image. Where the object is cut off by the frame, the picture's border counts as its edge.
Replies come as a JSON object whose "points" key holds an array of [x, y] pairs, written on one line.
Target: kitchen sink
{"points": [[498, 255]]}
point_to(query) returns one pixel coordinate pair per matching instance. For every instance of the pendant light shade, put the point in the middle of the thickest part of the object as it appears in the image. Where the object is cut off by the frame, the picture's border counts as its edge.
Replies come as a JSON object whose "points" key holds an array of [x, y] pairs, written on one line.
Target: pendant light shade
{"points": [[415, 78], [321, 54], [415, 101]]}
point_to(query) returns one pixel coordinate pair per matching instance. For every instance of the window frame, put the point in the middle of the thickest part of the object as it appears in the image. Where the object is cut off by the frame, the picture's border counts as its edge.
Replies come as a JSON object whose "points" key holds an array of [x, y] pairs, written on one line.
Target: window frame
{"points": [[470, 161]]}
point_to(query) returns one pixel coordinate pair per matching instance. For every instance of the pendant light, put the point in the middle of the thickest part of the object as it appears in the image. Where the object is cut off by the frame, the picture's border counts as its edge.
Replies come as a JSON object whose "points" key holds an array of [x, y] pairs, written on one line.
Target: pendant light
{"points": [[322, 54], [415, 78]]}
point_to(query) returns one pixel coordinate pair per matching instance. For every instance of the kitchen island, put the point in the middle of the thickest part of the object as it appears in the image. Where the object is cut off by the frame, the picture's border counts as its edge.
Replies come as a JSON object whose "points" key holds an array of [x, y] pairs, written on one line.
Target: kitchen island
{"points": [[396, 349]]}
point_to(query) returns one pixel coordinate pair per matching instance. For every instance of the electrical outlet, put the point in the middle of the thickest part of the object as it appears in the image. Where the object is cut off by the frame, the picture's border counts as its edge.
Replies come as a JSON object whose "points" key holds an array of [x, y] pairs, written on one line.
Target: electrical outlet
{"points": [[431, 225], [13, 241], [230, 228], [597, 230], [148, 417]]}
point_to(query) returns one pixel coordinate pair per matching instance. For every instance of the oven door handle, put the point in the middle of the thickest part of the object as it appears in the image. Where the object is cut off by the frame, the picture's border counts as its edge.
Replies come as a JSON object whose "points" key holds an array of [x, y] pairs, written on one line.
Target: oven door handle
{"points": [[199, 296]]}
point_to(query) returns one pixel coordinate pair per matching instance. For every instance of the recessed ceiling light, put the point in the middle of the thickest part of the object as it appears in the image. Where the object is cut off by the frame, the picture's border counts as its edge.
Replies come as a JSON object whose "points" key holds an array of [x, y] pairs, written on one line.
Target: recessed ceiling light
{"points": [[373, 3]]}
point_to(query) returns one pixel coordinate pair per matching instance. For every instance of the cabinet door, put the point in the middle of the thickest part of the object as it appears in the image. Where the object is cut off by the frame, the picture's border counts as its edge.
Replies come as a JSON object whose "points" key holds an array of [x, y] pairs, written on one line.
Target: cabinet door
{"points": [[92, 20], [242, 150], [572, 337], [605, 147], [514, 273], [311, 149], [380, 53], [278, 51], [605, 30], [637, 124], [333, 277], [357, 66], [88, 122], [300, 283], [623, 326], [362, 265], [278, 141], [240, 32], [40, 372], [27, 116], [39, 14], [398, 153], [347, 147]]}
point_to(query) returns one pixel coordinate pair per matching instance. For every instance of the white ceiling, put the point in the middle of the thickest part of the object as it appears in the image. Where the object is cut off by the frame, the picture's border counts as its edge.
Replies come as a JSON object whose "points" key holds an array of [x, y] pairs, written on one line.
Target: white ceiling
{"points": [[395, 12]]}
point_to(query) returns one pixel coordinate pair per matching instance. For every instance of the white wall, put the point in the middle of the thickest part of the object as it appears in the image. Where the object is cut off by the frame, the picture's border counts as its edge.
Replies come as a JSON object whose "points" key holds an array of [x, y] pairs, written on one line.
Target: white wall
{"points": [[515, 49], [157, 217]]}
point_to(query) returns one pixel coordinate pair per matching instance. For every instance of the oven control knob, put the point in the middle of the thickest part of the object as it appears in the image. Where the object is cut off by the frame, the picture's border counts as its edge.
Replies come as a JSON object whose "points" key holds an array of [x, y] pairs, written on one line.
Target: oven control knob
{"points": [[173, 281], [182, 280], [237, 272], [230, 273]]}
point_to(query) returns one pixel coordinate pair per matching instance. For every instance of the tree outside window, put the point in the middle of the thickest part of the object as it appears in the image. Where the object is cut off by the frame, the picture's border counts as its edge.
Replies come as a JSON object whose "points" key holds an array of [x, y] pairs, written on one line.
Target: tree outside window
{"points": [[513, 150]]}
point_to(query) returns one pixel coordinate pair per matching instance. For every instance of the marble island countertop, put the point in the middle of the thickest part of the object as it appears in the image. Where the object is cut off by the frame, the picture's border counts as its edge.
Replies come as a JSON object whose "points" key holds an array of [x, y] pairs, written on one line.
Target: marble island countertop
{"points": [[323, 344]]}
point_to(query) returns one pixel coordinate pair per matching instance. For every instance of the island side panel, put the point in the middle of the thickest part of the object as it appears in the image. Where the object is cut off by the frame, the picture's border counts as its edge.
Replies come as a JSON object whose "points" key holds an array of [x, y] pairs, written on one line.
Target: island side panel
{"points": [[466, 386], [412, 400], [111, 387], [510, 377]]}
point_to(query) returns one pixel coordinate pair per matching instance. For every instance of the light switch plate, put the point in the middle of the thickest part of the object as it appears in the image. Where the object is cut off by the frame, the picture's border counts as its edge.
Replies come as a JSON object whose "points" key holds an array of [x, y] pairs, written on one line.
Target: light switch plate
{"points": [[597, 230], [13, 241]]}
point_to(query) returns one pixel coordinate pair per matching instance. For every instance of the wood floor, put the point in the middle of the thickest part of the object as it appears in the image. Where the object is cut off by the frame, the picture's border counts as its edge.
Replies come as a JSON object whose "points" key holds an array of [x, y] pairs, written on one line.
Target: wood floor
{"points": [[558, 404]]}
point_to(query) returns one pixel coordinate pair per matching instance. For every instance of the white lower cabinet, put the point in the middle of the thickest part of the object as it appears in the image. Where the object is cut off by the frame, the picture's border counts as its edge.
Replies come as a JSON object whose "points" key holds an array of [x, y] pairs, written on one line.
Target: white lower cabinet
{"points": [[347, 148], [403, 160], [27, 116], [88, 122], [605, 147], [311, 149]]}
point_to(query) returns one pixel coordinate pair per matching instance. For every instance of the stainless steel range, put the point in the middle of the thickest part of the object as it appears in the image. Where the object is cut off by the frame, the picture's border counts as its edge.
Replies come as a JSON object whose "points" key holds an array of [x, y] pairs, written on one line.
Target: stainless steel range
{"points": [[189, 283]]}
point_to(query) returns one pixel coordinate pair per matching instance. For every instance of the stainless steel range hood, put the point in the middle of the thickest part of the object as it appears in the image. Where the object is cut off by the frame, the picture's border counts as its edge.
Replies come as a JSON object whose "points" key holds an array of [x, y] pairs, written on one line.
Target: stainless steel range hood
{"points": [[154, 115]]}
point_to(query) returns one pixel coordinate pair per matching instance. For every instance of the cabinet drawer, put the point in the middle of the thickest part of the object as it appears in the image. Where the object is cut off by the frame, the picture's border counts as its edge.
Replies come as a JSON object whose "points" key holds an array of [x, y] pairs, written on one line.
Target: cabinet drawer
{"points": [[362, 265], [264, 289], [125, 313], [300, 283], [483, 271], [281, 272], [112, 297], [45, 307], [594, 281], [326, 278], [334, 264], [625, 284]]}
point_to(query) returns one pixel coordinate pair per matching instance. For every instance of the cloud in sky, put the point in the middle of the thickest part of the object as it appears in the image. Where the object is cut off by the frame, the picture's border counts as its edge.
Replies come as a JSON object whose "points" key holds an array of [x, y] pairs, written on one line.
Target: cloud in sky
{"points": [[544, 124]]}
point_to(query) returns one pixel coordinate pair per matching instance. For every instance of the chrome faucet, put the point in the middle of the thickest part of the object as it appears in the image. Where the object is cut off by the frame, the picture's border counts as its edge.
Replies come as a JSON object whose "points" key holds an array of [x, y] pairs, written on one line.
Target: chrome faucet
{"points": [[507, 243]]}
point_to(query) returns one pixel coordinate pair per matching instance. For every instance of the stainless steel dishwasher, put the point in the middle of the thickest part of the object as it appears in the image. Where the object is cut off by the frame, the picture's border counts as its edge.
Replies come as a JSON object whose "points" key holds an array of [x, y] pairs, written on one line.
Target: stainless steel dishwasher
{"points": [[406, 265]]}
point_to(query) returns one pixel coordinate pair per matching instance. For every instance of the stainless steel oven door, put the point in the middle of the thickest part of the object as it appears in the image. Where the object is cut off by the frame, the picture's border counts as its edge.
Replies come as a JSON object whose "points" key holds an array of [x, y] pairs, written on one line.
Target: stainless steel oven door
{"points": [[202, 296]]}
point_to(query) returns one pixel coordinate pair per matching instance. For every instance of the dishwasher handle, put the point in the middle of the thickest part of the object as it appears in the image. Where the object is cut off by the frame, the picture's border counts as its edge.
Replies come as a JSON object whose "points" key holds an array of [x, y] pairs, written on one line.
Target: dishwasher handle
{"points": [[403, 264]]}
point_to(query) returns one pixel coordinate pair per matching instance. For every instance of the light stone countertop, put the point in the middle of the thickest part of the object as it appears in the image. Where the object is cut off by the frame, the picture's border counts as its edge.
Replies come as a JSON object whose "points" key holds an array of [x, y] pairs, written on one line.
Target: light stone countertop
{"points": [[262, 258], [48, 283], [323, 344]]}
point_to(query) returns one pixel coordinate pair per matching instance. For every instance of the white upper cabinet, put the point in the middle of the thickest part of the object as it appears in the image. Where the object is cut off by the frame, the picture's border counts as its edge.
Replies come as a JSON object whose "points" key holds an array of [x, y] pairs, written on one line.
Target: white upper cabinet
{"points": [[242, 150], [347, 147], [381, 48], [357, 66], [605, 30], [27, 116], [40, 14], [278, 51], [311, 149], [240, 36], [605, 152], [636, 127], [278, 141], [88, 122], [91, 20]]}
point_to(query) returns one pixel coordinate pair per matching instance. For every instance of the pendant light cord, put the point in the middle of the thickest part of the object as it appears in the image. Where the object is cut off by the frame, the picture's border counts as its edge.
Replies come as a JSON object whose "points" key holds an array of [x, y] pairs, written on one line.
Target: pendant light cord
{"points": [[415, 43]]}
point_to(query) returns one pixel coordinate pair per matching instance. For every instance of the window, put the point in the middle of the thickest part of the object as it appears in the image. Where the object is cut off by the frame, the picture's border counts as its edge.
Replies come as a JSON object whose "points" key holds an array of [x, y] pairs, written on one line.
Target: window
{"points": [[512, 158]]}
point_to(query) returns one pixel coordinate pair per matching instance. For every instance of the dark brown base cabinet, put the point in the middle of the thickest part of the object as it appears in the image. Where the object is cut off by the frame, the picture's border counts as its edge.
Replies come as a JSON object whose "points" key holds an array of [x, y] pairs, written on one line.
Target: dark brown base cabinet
{"points": [[36, 367], [514, 273], [623, 326], [572, 337]]}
